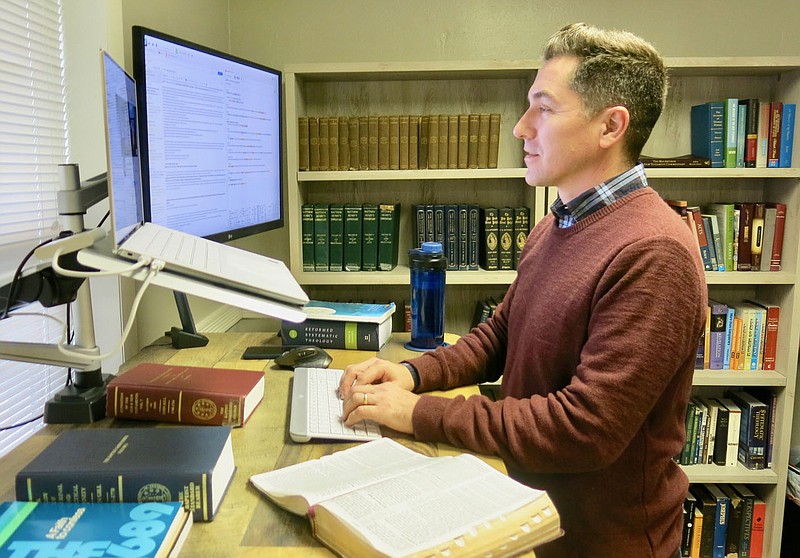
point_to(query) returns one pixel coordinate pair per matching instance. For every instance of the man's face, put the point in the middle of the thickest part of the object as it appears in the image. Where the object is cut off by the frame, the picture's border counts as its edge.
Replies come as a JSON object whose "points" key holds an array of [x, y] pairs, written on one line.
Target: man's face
{"points": [[559, 140]]}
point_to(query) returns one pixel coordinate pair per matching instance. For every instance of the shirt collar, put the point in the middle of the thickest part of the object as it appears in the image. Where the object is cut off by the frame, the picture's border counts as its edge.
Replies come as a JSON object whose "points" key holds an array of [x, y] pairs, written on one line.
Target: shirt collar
{"points": [[602, 195]]}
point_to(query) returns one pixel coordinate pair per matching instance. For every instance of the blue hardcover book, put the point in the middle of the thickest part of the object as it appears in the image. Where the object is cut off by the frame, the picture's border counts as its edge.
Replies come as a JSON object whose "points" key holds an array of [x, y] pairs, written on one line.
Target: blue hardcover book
{"points": [[707, 128], [349, 311], [712, 246], [721, 517], [144, 530], [719, 319], [731, 134], [741, 128], [787, 135], [758, 336], [439, 227]]}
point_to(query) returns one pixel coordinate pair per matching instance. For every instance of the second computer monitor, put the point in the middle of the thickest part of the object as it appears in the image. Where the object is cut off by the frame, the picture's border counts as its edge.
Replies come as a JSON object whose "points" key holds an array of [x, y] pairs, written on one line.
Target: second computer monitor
{"points": [[210, 133]]}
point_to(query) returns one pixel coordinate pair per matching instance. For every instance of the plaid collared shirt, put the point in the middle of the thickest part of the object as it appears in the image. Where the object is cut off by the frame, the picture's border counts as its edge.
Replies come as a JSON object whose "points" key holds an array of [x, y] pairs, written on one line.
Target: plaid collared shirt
{"points": [[602, 195]]}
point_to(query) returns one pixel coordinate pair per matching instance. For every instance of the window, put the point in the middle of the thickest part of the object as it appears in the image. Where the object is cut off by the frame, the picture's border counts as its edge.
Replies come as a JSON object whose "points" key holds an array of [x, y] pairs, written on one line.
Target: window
{"points": [[33, 142]]}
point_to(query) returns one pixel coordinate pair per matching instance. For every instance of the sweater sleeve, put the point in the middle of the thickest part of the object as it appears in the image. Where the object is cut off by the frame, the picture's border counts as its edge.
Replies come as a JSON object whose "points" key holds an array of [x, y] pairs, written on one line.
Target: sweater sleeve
{"points": [[646, 317]]}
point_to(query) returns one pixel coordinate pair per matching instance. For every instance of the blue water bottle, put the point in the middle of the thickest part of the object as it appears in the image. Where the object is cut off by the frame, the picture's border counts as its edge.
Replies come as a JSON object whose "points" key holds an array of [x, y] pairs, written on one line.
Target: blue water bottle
{"points": [[428, 266]]}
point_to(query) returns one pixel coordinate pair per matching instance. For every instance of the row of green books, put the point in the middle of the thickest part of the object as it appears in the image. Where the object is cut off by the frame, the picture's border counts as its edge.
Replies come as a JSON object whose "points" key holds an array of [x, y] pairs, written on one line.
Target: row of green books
{"points": [[723, 520], [739, 236], [474, 237], [744, 133], [398, 142], [730, 430], [350, 237]]}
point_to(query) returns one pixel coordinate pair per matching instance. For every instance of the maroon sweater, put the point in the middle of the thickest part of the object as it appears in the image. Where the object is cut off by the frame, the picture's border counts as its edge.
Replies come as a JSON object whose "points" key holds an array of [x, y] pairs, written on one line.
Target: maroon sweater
{"points": [[596, 340]]}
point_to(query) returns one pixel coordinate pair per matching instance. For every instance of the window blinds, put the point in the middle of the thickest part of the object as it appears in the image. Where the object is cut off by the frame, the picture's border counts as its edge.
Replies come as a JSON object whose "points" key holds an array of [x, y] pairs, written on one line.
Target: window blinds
{"points": [[33, 142]]}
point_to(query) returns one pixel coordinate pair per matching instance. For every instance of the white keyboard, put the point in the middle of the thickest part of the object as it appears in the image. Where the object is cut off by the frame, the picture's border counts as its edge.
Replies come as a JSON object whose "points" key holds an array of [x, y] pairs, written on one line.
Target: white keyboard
{"points": [[316, 408]]}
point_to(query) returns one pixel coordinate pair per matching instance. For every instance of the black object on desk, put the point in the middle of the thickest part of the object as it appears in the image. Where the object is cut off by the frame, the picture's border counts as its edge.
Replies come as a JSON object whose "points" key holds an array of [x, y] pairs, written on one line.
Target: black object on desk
{"points": [[308, 356]]}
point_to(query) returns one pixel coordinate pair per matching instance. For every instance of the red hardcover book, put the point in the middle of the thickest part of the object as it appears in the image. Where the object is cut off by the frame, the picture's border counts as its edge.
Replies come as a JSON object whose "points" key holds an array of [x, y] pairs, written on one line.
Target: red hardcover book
{"points": [[774, 145], [757, 528], [185, 394], [702, 237], [777, 242], [745, 232], [770, 348]]}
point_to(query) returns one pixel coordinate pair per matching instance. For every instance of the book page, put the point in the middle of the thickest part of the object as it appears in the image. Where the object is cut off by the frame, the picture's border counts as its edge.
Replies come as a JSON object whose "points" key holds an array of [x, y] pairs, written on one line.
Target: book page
{"points": [[341, 472], [430, 505]]}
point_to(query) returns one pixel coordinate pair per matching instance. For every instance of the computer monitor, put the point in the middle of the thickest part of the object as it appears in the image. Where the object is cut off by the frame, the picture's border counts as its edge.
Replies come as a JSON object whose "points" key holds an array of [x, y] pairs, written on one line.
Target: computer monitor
{"points": [[210, 138]]}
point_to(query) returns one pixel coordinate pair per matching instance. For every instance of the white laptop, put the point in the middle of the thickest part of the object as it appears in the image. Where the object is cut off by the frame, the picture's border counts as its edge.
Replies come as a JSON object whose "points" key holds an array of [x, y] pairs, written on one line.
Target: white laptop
{"points": [[181, 253]]}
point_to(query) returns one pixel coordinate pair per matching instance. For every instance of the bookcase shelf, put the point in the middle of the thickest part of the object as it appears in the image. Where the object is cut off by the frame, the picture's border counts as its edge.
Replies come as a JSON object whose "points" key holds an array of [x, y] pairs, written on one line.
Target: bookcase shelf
{"points": [[355, 89]]}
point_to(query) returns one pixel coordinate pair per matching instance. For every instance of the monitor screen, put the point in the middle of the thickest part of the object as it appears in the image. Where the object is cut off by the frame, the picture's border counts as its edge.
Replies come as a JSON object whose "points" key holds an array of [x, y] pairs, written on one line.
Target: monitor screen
{"points": [[210, 138]]}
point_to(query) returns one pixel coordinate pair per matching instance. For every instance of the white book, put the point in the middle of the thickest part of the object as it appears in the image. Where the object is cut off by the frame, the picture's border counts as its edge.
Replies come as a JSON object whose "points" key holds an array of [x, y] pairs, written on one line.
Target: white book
{"points": [[734, 424]]}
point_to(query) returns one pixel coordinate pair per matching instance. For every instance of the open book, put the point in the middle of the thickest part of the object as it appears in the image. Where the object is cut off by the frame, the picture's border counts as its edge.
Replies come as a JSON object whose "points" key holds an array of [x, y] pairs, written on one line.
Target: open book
{"points": [[381, 499]]}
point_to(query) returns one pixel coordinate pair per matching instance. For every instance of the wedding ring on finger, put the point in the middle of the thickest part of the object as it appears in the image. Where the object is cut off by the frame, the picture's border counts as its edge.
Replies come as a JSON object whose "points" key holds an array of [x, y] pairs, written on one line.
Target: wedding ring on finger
{"points": [[365, 399]]}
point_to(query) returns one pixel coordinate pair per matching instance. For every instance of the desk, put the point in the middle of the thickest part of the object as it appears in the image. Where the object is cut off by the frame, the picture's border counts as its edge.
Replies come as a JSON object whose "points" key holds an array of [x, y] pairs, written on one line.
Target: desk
{"points": [[247, 524]]}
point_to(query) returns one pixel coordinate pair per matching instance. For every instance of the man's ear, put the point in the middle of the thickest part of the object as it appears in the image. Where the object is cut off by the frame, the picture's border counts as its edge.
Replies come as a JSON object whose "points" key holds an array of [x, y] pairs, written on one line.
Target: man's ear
{"points": [[615, 124]]}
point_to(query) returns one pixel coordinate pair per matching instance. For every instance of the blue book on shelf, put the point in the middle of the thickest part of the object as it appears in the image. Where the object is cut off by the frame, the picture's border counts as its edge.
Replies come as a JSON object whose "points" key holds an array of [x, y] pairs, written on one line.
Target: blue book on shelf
{"points": [[144, 530], [721, 516], [349, 311], [707, 128], [741, 135], [787, 135]]}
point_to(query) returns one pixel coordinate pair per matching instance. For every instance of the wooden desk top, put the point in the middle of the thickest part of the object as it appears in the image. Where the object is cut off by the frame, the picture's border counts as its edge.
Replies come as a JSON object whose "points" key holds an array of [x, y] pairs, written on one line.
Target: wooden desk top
{"points": [[247, 524]]}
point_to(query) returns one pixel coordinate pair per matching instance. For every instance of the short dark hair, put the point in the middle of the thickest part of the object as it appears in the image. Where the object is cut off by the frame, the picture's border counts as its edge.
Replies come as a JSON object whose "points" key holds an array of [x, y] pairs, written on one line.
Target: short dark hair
{"points": [[615, 68]]}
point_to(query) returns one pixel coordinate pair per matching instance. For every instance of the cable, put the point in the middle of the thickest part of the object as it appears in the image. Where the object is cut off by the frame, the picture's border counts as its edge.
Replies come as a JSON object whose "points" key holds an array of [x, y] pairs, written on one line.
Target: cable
{"points": [[143, 261], [17, 276], [23, 423], [155, 267]]}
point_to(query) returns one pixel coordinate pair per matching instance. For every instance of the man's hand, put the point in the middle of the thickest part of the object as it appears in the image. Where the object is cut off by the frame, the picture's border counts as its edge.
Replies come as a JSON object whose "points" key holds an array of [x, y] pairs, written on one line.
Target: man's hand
{"points": [[374, 371], [378, 390], [386, 403]]}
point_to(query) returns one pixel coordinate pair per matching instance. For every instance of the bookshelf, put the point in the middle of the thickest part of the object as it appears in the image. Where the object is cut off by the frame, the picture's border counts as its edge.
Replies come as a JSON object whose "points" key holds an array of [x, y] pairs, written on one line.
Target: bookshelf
{"points": [[501, 87]]}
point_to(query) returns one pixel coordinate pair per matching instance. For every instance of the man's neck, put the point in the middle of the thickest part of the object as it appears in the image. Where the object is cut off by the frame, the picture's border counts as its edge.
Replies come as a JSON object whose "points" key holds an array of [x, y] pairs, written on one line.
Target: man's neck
{"points": [[590, 179]]}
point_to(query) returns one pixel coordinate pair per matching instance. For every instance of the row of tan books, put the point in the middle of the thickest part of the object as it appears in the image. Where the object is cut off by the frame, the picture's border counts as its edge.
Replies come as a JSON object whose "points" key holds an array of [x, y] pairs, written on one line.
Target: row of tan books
{"points": [[398, 142]]}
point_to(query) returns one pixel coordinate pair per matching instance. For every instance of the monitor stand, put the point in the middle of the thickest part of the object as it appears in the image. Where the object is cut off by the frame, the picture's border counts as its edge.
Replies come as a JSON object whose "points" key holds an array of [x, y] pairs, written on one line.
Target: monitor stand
{"points": [[185, 337]]}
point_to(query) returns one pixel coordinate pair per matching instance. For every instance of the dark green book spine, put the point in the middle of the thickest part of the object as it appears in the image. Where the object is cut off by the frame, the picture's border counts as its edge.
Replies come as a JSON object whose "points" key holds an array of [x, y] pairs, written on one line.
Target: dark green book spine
{"points": [[419, 224], [506, 232], [388, 235], [489, 259], [473, 249], [336, 237], [463, 237], [352, 237], [438, 224], [307, 228], [369, 245], [522, 224], [321, 253], [451, 236], [361, 336]]}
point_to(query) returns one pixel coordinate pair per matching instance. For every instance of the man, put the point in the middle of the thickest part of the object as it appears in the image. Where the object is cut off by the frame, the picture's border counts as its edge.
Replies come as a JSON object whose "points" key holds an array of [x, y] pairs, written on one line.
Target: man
{"points": [[597, 335]]}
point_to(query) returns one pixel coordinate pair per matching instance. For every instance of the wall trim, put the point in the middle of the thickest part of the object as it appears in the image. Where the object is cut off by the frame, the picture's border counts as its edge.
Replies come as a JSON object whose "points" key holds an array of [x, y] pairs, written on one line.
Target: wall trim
{"points": [[220, 320]]}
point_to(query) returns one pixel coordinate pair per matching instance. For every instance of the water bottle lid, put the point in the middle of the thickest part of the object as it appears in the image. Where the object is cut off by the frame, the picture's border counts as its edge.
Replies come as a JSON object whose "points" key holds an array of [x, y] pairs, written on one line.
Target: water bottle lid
{"points": [[432, 247]]}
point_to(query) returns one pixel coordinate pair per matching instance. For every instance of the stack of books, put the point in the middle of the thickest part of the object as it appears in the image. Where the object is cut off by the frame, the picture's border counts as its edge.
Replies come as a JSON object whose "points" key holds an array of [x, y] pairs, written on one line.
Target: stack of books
{"points": [[342, 325]]}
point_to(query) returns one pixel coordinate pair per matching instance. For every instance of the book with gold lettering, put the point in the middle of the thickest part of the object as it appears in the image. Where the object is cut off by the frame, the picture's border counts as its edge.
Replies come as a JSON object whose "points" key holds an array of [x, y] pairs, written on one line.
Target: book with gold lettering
{"points": [[189, 464], [494, 139], [382, 499], [185, 394]]}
